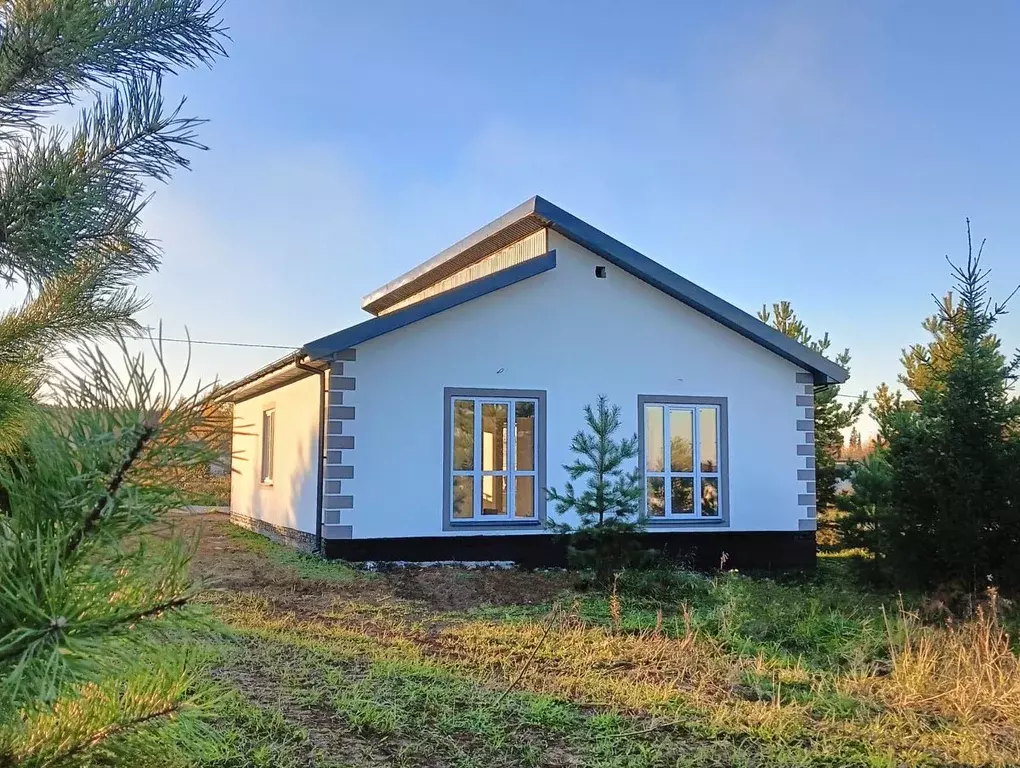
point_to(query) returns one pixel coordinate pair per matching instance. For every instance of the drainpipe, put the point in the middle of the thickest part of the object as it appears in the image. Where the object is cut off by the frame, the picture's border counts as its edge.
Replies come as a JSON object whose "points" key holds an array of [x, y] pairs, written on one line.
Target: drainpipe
{"points": [[322, 451]]}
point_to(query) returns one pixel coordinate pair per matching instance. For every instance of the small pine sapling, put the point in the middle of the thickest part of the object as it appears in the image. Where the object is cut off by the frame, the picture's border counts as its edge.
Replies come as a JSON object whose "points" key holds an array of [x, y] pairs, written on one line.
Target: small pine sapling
{"points": [[606, 533]]}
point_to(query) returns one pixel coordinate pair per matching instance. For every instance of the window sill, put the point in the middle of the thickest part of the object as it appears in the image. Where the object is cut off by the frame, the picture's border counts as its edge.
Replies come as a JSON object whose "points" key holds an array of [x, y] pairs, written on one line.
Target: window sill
{"points": [[679, 522], [266, 483], [457, 525]]}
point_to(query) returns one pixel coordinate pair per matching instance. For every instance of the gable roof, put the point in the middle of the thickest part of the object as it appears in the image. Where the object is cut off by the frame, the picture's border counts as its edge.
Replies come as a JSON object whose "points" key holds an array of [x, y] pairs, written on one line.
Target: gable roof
{"points": [[537, 213], [527, 218]]}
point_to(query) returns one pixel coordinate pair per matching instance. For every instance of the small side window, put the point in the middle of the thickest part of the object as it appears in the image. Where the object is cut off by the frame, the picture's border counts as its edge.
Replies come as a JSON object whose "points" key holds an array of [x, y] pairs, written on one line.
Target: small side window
{"points": [[268, 439]]}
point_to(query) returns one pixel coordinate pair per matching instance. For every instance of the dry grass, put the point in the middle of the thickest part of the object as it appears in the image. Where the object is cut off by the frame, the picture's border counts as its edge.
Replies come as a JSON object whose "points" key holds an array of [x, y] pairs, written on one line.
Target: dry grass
{"points": [[594, 666], [965, 676], [924, 696], [946, 695]]}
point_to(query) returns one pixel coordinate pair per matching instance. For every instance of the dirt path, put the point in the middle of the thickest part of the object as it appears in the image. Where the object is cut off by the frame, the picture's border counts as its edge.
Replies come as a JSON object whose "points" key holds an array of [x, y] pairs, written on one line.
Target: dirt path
{"points": [[226, 560]]}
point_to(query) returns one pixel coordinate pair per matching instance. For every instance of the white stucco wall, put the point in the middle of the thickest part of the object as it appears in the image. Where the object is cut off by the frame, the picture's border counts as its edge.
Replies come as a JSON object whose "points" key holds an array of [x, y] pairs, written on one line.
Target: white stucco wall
{"points": [[574, 336], [290, 500]]}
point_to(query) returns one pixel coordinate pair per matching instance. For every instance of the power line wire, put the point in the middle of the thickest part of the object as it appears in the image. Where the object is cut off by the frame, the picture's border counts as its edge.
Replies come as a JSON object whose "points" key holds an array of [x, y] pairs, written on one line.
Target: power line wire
{"points": [[211, 343]]}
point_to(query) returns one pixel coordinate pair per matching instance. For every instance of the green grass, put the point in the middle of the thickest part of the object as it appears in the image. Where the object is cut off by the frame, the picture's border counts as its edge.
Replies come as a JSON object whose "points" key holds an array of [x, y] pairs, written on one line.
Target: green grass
{"points": [[415, 712], [250, 736], [409, 704], [823, 622], [674, 669], [306, 566]]}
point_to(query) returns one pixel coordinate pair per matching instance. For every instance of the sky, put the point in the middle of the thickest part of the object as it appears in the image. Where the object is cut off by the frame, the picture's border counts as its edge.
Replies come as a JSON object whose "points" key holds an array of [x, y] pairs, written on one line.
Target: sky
{"points": [[825, 153]]}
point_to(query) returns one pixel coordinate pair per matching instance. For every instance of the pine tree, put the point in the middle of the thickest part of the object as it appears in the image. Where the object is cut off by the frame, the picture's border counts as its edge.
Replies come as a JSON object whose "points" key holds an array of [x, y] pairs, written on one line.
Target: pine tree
{"points": [[832, 415], [70, 199], [606, 536], [921, 360], [854, 450], [861, 510], [86, 600], [87, 594], [946, 499]]}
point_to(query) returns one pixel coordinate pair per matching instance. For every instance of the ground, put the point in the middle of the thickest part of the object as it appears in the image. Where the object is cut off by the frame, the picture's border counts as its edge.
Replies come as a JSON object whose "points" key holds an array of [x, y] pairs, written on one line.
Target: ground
{"points": [[324, 665]]}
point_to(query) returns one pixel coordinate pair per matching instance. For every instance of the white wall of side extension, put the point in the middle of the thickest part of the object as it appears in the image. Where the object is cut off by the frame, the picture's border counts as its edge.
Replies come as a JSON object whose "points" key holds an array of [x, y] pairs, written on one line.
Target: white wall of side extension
{"points": [[289, 500]]}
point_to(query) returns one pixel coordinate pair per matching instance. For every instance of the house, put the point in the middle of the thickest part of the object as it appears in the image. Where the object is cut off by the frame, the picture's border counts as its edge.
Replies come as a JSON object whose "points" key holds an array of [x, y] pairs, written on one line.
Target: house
{"points": [[429, 431]]}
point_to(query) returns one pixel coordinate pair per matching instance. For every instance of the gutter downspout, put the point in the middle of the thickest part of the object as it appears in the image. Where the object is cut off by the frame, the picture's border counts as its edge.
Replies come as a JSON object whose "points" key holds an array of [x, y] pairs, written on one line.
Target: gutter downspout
{"points": [[322, 451]]}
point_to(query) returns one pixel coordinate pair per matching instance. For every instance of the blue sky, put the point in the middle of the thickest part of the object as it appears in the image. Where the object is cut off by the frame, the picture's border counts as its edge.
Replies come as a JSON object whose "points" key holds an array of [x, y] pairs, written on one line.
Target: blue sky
{"points": [[822, 152]]}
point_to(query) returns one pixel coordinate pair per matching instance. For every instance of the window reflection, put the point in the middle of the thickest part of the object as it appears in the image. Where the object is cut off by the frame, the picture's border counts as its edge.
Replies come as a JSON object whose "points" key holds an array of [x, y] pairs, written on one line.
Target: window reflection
{"points": [[463, 434], [708, 443], [654, 461], [524, 435], [689, 483], [709, 496], [681, 440], [463, 496], [494, 500], [656, 496], [494, 436], [493, 447], [682, 496]]}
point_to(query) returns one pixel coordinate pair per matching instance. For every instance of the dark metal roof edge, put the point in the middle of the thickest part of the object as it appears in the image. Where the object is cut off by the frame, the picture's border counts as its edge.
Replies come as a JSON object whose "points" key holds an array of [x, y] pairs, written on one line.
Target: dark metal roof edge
{"points": [[377, 326], [265, 370], [277, 365], [696, 297], [522, 211]]}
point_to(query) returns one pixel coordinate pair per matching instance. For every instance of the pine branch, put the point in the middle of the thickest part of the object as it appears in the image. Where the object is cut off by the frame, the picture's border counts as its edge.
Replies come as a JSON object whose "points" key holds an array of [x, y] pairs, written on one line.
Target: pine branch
{"points": [[92, 518], [157, 685], [59, 625], [17, 386], [75, 305], [60, 200], [50, 51], [80, 478], [114, 729]]}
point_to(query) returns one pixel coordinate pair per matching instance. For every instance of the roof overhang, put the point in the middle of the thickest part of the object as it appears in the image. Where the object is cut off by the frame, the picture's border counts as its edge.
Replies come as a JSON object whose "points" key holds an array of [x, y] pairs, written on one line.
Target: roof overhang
{"points": [[507, 229], [377, 326], [531, 216], [538, 213], [289, 368]]}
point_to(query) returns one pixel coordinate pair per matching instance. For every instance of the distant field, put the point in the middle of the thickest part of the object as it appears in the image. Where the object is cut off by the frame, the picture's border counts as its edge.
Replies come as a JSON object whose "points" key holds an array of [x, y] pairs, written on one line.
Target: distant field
{"points": [[329, 666]]}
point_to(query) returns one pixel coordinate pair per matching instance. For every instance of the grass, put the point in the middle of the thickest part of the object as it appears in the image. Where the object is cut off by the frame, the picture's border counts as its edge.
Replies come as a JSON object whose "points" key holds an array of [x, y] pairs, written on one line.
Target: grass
{"points": [[822, 622], [252, 736], [305, 566], [329, 666]]}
